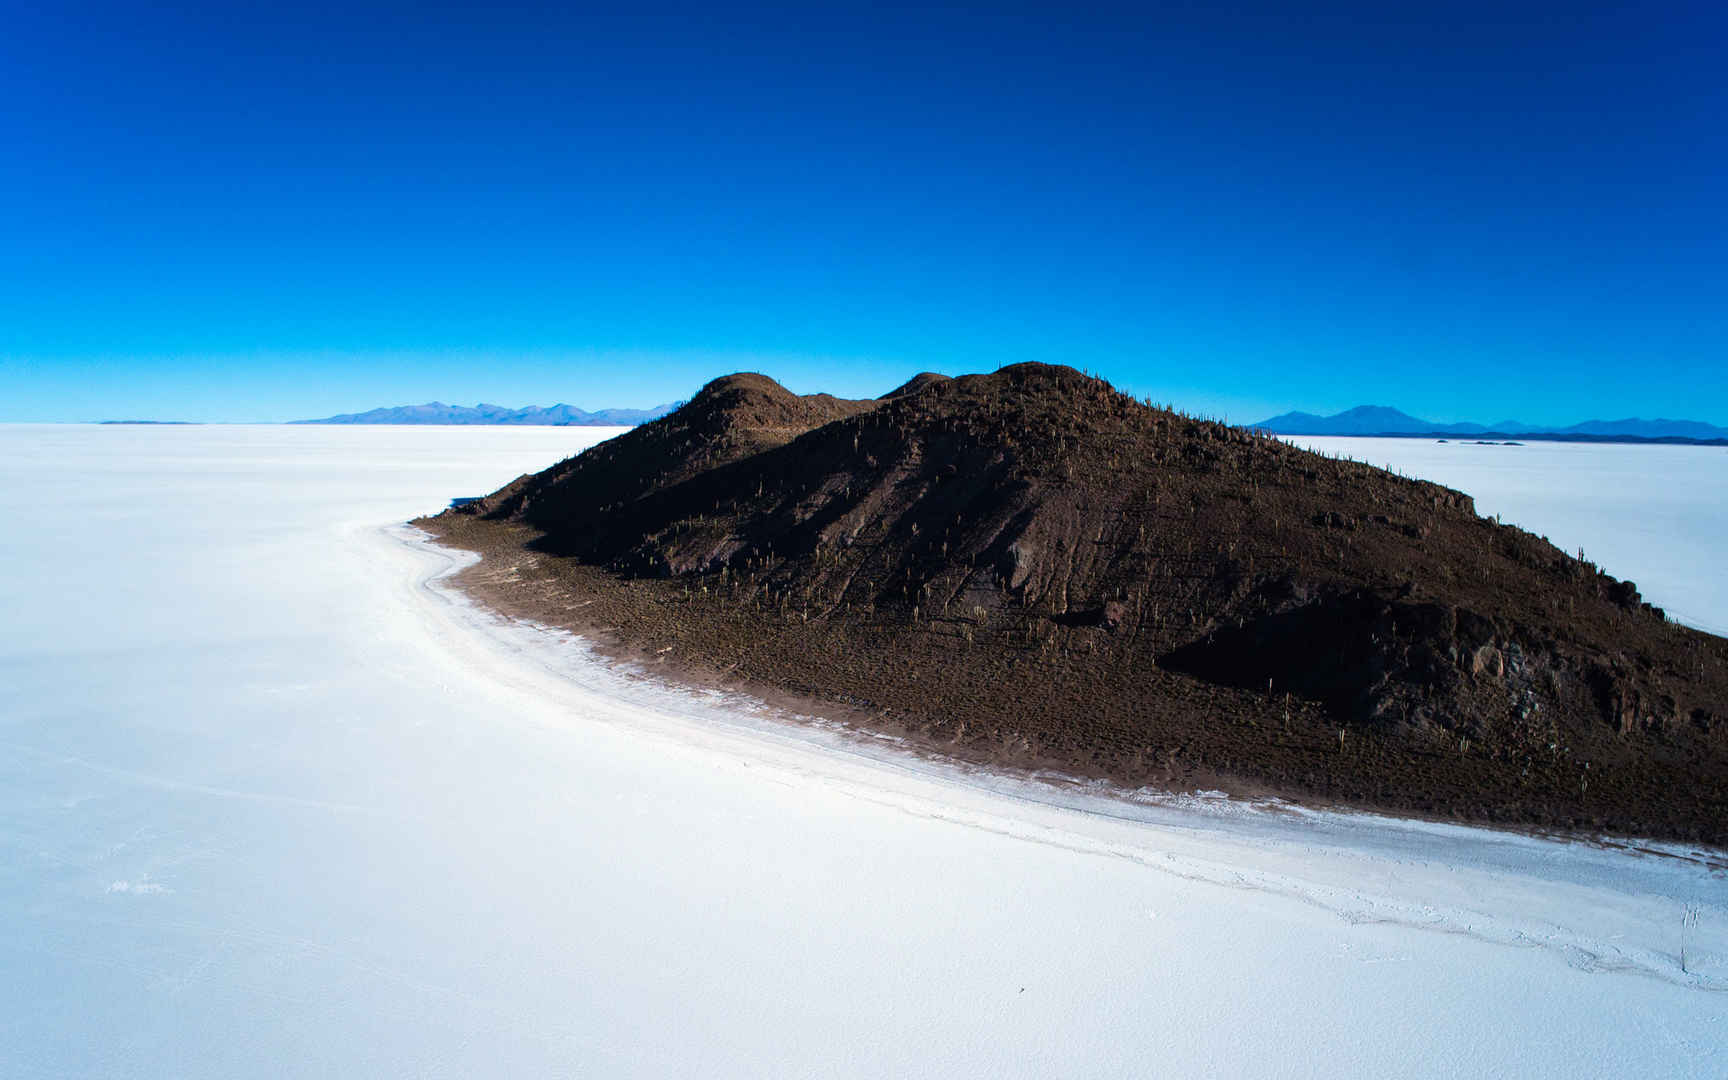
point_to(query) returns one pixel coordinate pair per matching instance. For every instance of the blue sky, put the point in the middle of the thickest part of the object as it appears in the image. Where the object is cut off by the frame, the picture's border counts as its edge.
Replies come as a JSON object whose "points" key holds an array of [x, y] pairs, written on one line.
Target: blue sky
{"points": [[1471, 211]]}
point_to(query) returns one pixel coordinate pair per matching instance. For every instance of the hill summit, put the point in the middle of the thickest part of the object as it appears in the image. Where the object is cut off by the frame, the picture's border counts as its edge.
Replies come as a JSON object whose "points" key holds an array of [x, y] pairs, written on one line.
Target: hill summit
{"points": [[1030, 568]]}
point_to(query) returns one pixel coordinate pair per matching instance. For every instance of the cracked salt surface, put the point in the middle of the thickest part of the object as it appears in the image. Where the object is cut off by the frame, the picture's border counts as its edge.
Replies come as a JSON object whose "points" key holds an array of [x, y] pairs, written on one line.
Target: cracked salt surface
{"points": [[276, 801]]}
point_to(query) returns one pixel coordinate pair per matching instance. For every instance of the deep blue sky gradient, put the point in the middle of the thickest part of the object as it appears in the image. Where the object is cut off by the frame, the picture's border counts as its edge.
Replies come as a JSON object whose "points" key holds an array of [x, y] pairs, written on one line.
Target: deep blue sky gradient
{"points": [[1471, 211]]}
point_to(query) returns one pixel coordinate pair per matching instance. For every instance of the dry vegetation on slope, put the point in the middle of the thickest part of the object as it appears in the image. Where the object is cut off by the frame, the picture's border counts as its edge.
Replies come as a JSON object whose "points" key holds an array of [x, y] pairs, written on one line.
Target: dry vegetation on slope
{"points": [[1031, 567]]}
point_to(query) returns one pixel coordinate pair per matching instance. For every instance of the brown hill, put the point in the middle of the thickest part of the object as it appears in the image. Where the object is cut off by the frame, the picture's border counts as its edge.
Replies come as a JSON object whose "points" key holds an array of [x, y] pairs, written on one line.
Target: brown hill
{"points": [[1030, 567]]}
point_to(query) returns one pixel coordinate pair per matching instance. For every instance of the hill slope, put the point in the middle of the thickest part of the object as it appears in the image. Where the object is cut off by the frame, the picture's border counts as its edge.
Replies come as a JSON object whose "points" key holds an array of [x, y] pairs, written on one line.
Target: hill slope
{"points": [[1030, 567]]}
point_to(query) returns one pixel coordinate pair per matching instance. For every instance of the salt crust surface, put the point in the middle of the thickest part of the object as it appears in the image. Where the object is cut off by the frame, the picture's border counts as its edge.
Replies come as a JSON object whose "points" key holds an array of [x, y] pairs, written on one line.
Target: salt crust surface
{"points": [[277, 801]]}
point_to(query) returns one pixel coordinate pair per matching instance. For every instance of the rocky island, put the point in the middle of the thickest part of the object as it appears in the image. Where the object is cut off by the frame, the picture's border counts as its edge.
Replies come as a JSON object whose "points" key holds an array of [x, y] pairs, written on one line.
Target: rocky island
{"points": [[1028, 569]]}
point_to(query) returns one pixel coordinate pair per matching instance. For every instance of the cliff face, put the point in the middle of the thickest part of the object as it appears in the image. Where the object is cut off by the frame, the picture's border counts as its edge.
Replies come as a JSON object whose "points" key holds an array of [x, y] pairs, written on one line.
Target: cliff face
{"points": [[1032, 519]]}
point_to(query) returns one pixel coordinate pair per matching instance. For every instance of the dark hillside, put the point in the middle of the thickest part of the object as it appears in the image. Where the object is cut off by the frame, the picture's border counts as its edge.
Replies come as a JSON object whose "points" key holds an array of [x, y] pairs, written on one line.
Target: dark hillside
{"points": [[729, 419], [1031, 567]]}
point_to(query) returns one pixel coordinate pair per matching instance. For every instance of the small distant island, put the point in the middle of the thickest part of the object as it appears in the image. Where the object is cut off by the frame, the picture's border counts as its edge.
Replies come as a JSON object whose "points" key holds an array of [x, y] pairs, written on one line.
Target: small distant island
{"points": [[436, 412], [1383, 421], [1030, 570]]}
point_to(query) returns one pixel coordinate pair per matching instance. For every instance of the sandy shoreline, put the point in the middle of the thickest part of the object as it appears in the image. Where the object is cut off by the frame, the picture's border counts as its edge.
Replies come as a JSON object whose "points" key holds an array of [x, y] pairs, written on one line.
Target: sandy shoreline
{"points": [[513, 581], [518, 583], [1308, 852]]}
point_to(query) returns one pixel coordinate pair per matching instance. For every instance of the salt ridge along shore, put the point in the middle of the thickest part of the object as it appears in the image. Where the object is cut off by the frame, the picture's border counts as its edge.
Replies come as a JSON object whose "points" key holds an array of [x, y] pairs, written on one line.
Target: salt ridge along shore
{"points": [[1593, 907]]}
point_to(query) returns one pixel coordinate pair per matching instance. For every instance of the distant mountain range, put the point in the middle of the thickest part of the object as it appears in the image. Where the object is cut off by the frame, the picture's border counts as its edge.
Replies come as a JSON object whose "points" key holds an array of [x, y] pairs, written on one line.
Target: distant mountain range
{"points": [[436, 412], [1385, 420]]}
